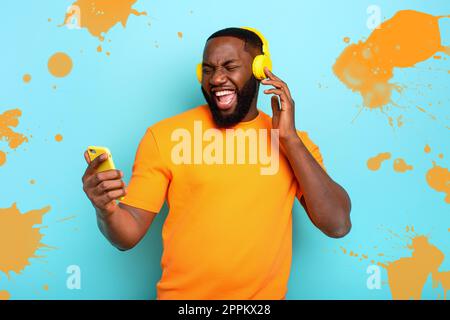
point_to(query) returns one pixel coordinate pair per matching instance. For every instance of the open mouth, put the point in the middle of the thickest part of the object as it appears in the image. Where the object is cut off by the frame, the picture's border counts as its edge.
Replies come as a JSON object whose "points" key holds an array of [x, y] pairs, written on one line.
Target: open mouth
{"points": [[225, 99]]}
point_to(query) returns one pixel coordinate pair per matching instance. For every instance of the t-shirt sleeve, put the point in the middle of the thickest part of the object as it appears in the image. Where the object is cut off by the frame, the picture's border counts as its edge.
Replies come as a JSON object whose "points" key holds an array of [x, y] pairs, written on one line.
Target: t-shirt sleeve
{"points": [[314, 151], [150, 177]]}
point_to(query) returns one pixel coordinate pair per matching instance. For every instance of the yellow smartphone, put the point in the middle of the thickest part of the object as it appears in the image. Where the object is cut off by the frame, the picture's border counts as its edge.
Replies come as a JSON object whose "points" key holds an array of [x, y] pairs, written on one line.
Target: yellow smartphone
{"points": [[96, 151]]}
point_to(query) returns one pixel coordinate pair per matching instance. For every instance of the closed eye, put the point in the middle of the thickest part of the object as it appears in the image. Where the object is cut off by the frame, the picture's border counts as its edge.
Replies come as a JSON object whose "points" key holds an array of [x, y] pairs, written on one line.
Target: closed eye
{"points": [[231, 68], [207, 69]]}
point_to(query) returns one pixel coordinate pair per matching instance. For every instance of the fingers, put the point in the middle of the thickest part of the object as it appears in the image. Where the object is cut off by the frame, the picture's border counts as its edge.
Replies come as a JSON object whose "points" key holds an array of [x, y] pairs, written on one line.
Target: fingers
{"points": [[93, 165], [110, 196], [86, 157], [278, 92], [108, 185], [276, 82], [104, 187], [275, 104], [269, 74], [97, 178]]}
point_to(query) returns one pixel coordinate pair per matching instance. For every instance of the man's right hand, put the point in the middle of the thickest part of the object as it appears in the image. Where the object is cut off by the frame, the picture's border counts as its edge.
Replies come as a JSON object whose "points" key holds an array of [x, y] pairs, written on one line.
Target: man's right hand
{"points": [[103, 188]]}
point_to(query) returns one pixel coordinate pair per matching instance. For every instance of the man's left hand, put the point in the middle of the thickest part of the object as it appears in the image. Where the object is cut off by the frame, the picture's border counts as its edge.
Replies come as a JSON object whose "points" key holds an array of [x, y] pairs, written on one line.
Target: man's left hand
{"points": [[283, 115]]}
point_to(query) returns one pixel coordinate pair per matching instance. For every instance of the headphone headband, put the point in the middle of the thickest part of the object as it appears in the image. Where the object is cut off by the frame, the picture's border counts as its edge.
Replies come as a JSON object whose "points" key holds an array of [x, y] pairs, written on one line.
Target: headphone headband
{"points": [[259, 62], [265, 46]]}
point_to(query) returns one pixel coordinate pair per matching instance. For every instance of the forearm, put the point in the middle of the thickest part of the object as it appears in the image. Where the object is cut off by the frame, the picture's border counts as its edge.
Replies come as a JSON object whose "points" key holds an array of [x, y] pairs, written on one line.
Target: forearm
{"points": [[327, 202], [120, 228]]}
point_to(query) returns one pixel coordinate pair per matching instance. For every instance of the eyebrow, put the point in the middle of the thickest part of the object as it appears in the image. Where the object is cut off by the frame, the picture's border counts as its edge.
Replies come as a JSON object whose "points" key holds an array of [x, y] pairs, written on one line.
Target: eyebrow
{"points": [[205, 64]]}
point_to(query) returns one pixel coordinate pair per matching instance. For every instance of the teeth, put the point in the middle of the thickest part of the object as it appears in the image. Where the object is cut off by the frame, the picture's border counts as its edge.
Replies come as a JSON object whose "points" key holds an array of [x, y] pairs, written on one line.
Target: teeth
{"points": [[223, 93]]}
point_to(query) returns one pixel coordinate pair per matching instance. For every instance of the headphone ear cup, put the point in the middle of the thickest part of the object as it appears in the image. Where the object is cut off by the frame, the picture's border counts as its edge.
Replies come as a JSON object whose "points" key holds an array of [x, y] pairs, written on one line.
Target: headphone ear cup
{"points": [[199, 72], [259, 63]]}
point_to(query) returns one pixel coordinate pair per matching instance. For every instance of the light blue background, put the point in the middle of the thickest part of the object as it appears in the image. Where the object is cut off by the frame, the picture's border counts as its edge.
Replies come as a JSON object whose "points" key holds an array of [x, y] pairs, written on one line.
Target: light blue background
{"points": [[112, 100]]}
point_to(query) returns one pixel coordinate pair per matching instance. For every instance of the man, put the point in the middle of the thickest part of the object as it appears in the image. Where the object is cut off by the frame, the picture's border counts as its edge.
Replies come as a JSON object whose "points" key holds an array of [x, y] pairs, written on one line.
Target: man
{"points": [[228, 233]]}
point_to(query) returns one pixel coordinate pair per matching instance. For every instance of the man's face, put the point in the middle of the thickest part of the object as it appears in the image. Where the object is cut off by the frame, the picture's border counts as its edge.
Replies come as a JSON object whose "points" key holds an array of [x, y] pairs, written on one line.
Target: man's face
{"points": [[228, 83]]}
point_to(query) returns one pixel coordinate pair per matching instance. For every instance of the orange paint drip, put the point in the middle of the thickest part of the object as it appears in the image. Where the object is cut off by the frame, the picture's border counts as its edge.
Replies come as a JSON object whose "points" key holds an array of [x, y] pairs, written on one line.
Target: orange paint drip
{"points": [[374, 163], [10, 118], [438, 178], [60, 65], [367, 67], [4, 295], [66, 218], [99, 16], [19, 239], [401, 166], [407, 276], [427, 149], [26, 78]]}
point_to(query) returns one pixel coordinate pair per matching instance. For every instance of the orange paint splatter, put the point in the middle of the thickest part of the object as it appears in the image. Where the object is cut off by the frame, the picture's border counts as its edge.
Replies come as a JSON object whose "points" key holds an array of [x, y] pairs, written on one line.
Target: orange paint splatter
{"points": [[60, 65], [19, 239], [346, 39], [407, 276], [441, 156], [45, 287], [401, 166], [427, 149], [58, 137], [374, 163], [8, 119], [32, 181], [391, 121], [4, 295], [99, 16], [399, 121], [438, 178], [180, 35], [99, 49], [2, 158], [367, 67], [26, 78]]}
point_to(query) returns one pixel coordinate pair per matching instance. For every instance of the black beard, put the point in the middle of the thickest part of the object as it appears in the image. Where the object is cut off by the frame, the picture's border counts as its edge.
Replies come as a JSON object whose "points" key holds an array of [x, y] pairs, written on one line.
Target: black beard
{"points": [[244, 101]]}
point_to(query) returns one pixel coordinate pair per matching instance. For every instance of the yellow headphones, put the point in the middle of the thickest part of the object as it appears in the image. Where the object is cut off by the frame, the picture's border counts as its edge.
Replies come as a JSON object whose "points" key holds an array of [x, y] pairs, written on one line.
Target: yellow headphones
{"points": [[259, 63]]}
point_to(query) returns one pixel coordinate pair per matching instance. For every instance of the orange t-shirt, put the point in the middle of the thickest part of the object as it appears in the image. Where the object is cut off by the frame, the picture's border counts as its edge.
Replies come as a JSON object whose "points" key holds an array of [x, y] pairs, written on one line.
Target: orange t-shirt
{"points": [[228, 233]]}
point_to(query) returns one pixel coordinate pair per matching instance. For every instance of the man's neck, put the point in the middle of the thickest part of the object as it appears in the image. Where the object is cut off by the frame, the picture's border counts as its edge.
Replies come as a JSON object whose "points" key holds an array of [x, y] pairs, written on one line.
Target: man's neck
{"points": [[252, 112]]}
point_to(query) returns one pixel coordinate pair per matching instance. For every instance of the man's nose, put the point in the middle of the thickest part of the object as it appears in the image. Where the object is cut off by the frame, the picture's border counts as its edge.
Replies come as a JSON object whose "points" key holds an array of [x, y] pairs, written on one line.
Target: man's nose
{"points": [[218, 78]]}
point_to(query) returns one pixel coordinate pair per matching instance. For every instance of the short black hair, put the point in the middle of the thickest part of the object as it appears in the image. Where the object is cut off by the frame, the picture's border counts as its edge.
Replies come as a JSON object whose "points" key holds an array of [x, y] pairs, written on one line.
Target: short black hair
{"points": [[249, 37]]}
